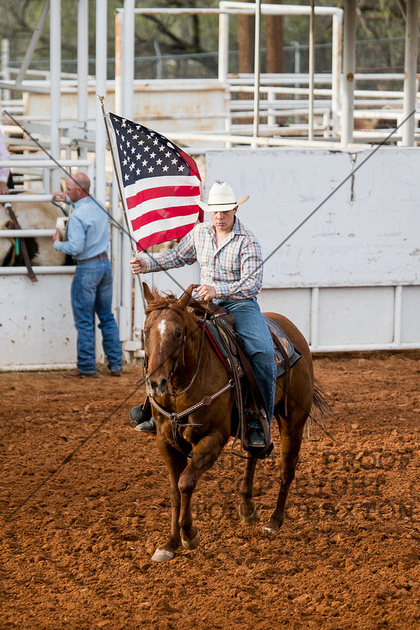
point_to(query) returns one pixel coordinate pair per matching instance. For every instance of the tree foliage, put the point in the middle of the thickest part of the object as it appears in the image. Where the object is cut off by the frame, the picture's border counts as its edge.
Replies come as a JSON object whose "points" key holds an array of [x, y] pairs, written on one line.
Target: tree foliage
{"points": [[175, 35]]}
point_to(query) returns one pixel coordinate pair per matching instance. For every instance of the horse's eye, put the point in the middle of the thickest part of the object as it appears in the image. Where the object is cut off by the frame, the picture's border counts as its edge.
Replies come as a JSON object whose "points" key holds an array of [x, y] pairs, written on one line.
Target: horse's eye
{"points": [[178, 334]]}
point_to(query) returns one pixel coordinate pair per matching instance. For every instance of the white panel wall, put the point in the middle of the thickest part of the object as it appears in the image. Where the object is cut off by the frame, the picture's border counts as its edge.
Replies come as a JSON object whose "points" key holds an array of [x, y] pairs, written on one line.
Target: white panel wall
{"points": [[349, 277], [36, 322], [411, 315], [350, 315]]}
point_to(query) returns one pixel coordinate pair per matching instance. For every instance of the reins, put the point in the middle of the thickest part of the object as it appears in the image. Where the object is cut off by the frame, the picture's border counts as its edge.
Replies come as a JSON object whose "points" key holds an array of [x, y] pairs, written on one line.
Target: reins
{"points": [[175, 417], [176, 394], [205, 402], [233, 383]]}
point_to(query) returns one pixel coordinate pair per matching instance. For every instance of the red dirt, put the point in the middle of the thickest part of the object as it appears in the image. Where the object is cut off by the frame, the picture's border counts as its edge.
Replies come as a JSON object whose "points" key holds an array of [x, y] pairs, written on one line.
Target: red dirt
{"points": [[84, 503]]}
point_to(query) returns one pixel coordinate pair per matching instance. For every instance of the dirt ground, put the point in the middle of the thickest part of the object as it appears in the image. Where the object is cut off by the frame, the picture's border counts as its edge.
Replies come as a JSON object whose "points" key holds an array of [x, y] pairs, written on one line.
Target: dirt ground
{"points": [[85, 501]]}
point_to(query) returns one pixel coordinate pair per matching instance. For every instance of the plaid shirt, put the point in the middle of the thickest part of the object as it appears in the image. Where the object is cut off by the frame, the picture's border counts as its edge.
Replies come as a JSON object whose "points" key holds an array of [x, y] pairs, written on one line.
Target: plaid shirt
{"points": [[234, 269]]}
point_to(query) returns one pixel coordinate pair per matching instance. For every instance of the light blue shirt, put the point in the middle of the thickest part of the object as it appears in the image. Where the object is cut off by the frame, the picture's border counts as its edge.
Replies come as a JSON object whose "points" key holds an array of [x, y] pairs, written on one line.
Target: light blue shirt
{"points": [[87, 232]]}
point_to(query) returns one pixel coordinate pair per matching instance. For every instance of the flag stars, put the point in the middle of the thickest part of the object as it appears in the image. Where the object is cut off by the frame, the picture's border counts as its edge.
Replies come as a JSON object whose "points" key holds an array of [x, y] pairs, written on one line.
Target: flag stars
{"points": [[145, 155]]}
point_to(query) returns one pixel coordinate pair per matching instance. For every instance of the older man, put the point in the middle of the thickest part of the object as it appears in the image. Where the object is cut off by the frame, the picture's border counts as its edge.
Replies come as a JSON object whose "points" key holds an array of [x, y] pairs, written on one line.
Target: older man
{"points": [[231, 275], [91, 289]]}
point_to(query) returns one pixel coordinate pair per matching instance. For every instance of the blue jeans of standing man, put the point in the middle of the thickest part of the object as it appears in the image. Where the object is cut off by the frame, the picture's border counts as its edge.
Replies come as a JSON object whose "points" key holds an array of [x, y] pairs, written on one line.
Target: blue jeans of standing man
{"points": [[91, 292], [258, 345]]}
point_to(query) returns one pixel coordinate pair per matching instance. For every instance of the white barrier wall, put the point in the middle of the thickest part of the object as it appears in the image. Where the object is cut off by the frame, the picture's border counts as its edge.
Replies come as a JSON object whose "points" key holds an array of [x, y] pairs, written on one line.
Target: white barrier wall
{"points": [[349, 277], [36, 322]]}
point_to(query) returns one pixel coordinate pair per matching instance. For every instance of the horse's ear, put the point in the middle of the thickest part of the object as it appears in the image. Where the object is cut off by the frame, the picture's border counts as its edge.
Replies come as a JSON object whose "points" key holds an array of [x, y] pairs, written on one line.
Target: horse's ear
{"points": [[148, 295], [185, 298]]}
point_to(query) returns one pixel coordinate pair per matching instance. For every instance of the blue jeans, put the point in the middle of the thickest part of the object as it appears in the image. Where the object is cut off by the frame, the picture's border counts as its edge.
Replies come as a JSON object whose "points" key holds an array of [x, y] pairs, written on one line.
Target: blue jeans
{"points": [[258, 345], [91, 292]]}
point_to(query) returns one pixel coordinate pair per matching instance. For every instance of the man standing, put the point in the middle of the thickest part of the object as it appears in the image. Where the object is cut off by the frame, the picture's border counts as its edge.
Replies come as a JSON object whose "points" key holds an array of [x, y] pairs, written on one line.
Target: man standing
{"points": [[91, 289], [231, 275]]}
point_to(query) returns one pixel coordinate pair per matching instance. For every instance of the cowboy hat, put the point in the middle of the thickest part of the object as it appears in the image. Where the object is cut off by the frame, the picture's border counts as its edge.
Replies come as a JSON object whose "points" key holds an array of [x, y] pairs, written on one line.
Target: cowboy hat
{"points": [[221, 198]]}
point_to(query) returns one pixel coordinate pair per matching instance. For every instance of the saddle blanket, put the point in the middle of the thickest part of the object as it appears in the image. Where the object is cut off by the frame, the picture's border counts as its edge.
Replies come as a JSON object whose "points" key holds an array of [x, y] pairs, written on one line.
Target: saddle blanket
{"points": [[278, 336]]}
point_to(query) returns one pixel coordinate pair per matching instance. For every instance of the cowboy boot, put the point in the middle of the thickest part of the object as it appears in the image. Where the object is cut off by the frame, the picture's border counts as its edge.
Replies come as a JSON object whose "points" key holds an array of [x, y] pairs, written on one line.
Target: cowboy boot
{"points": [[255, 437], [142, 418]]}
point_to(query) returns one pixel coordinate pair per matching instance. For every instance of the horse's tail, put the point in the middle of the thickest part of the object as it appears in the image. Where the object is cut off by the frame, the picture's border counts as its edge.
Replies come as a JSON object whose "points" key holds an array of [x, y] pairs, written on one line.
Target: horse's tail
{"points": [[320, 402], [325, 412]]}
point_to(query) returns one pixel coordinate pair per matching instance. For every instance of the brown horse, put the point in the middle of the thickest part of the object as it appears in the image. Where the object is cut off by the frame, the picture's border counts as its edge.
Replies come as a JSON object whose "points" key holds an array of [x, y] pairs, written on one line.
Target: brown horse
{"points": [[182, 372]]}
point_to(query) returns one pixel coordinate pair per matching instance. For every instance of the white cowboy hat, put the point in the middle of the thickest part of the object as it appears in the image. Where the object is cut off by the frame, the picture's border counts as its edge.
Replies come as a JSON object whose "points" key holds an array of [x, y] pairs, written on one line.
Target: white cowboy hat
{"points": [[221, 198]]}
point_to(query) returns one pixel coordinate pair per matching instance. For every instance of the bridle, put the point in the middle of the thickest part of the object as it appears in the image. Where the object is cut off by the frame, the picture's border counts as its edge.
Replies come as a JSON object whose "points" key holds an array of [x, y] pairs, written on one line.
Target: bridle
{"points": [[205, 402], [175, 365]]}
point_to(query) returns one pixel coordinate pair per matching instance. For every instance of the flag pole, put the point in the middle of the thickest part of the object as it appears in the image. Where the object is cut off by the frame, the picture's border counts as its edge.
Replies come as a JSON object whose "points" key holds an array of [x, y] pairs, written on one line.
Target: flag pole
{"points": [[122, 198], [122, 195]]}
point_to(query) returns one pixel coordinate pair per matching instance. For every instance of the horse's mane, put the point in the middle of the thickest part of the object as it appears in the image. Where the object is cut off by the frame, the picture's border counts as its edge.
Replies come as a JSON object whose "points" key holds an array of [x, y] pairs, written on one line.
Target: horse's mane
{"points": [[160, 301], [169, 300]]}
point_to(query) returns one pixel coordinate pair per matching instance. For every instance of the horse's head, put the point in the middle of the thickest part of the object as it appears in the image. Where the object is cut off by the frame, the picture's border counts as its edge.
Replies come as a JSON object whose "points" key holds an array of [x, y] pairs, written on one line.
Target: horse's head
{"points": [[165, 335]]}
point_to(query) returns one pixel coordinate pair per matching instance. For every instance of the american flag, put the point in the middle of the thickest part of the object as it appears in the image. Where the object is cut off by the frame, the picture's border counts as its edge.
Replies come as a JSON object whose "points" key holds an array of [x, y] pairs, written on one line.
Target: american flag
{"points": [[161, 183]]}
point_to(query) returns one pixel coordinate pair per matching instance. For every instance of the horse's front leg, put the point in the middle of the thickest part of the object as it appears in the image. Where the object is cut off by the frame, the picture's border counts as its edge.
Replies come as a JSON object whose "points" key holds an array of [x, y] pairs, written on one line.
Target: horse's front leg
{"points": [[176, 463], [204, 454]]}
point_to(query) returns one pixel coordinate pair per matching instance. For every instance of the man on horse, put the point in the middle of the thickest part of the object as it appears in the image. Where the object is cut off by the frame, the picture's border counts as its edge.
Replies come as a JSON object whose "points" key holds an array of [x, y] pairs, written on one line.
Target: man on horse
{"points": [[231, 276]]}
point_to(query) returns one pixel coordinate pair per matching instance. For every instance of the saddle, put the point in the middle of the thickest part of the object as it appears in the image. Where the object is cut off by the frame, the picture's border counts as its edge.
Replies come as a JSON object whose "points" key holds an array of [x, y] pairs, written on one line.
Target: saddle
{"points": [[249, 400]]}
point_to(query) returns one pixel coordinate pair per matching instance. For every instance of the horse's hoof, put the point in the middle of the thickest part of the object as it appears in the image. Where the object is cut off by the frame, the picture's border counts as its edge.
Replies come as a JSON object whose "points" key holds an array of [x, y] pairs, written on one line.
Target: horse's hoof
{"points": [[191, 544], [270, 530], [162, 555], [249, 520]]}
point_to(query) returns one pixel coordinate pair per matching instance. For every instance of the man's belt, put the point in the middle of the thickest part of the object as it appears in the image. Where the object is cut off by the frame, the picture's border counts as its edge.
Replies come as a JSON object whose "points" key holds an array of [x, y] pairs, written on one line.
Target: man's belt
{"points": [[104, 255]]}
